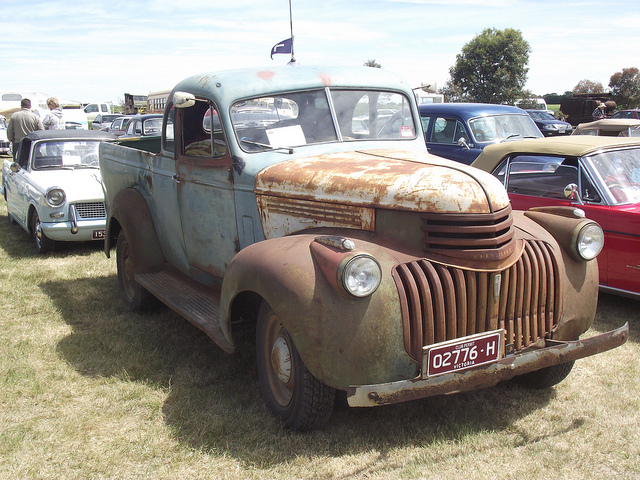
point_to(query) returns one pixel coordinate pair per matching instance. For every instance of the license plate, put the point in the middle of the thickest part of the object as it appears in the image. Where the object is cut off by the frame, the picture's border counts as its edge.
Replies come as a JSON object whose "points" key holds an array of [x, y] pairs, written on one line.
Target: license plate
{"points": [[98, 234], [462, 353]]}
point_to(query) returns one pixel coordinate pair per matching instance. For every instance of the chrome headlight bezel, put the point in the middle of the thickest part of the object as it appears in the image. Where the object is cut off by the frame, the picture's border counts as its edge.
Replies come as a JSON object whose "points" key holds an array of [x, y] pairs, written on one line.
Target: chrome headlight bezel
{"points": [[55, 197], [359, 275], [588, 240]]}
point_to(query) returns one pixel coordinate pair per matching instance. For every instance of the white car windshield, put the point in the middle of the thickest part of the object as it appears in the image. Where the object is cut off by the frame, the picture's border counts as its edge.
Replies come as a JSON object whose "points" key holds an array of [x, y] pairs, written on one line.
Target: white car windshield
{"points": [[303, 118], [65, 154], [498, 128], [619, 173]]}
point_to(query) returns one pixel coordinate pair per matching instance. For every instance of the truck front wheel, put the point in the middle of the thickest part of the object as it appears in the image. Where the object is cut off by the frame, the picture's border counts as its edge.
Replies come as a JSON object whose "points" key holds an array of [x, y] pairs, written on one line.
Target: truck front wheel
{"points": [[292, 394], [134, 295]]}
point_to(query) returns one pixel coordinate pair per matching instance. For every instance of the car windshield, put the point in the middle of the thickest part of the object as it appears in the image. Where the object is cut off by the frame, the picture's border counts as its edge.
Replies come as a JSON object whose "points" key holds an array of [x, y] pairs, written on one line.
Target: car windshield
{"points": [[304, 118], [498, 128], [542, 116], [66, 154], [619, 173]]}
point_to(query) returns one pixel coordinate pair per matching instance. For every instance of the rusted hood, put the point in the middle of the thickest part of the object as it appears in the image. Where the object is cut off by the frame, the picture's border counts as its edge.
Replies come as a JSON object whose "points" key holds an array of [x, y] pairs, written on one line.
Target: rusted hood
{"points": [[405, 180]]}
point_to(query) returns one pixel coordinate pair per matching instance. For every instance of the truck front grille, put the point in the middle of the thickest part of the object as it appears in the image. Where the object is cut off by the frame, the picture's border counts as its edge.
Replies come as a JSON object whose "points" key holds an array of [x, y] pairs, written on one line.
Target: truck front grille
{"points": [[91, 210], [442, 303]]}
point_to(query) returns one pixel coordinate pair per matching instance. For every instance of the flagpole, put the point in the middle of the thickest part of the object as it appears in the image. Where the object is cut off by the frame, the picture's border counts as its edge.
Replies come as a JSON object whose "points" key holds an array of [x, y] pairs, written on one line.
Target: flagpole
{"points": [[293, 60]]}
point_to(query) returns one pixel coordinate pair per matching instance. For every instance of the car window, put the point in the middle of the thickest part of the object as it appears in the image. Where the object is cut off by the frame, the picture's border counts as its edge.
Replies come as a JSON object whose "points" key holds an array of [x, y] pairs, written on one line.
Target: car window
{"points": [[540, 175], [65, 154], [503, 127], [152, 126], [202, 132], [618, 172], [448, 130]]}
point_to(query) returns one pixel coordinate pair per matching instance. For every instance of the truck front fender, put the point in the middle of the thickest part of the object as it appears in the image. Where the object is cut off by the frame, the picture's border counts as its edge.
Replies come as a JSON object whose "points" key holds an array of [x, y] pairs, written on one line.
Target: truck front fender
{"points": [[129, 211], [341, 339]]}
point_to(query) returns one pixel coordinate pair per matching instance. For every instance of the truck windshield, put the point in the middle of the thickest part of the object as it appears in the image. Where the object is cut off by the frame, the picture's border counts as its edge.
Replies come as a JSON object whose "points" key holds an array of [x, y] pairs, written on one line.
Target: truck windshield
{"points": [[304, 118]]}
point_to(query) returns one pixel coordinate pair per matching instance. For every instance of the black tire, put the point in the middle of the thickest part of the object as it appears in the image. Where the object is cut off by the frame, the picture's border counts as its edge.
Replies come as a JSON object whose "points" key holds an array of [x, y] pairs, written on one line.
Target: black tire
{"points": [[42, 243], [134, 295], [294, 396], [546, 377]]}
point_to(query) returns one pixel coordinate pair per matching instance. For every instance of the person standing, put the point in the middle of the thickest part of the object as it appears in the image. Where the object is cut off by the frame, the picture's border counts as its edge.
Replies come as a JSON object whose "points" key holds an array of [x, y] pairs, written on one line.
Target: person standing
{"points": [[53, 120], [600, 112], [21, 123]]}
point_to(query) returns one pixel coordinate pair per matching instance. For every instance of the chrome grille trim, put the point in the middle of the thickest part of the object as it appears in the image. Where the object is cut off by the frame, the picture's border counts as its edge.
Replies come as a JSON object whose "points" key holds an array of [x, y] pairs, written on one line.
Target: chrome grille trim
{"points": [[441, 303], [88, 210]]}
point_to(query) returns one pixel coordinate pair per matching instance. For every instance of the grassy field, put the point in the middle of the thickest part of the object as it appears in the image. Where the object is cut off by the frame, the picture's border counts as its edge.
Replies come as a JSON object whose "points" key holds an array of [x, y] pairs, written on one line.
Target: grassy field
{"points": [[90, 390]]}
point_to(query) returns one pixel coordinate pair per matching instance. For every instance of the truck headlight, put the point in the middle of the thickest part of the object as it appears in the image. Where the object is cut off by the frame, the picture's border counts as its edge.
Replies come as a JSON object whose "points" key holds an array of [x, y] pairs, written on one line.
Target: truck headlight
{"points": [[55, 197], [360, 275], [589, 241]]}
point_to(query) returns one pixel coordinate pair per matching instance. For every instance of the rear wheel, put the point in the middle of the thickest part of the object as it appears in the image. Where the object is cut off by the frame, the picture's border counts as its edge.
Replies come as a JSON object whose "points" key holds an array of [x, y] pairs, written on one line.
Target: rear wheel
{"points": [[292, 394], [133, 294], [42, 243], [546, 377]]}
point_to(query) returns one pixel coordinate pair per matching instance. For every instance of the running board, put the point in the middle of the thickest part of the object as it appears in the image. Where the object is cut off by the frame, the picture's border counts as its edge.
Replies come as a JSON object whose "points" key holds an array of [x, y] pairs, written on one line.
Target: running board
{"points": [[197, 303]]}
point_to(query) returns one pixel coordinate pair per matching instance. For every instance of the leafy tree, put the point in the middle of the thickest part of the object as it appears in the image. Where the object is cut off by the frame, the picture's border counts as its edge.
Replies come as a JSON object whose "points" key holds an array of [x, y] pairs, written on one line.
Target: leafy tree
{"points": [[588, 86], [625, 87], [491, 68], [372, 63]]}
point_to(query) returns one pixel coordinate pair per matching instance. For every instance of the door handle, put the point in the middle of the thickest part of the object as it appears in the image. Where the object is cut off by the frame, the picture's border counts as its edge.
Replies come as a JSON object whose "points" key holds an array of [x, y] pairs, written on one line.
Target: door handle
{"points": [[176, 179]]}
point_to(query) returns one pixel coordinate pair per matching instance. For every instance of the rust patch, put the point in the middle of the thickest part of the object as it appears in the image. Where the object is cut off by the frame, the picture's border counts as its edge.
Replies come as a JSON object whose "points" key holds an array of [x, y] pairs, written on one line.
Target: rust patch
{"points": [[325, 79], [407, 181], [266, 75]]}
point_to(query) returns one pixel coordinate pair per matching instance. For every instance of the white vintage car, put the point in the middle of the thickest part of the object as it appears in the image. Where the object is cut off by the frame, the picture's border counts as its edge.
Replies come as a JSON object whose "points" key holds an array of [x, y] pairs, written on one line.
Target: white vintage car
{"points": [[53, 189]]}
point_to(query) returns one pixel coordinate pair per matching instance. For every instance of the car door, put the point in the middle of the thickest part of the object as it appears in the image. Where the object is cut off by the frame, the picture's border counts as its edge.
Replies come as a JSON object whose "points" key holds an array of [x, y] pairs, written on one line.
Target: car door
{"points": [[205, 192], [17, 184], [540, 180], [443, 139]]}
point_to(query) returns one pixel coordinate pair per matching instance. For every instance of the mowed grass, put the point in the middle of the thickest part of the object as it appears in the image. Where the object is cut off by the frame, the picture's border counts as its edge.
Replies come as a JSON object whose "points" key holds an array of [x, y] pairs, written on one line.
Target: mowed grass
{"points": [[91, 390]]}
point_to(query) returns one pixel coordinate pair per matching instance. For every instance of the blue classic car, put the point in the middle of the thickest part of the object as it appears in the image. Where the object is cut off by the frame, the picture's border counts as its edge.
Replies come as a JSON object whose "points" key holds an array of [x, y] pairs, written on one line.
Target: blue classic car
{"points": [[460, 131], [53, 189]]}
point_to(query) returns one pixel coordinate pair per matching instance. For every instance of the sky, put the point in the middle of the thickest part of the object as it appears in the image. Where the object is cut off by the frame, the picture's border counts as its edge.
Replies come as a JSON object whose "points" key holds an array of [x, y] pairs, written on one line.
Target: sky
{"points": [[96, 51]]}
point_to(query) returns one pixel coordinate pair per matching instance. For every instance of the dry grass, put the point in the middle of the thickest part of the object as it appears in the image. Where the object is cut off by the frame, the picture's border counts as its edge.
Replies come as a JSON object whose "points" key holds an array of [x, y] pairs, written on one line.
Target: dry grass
{"points": [[90, 390]]}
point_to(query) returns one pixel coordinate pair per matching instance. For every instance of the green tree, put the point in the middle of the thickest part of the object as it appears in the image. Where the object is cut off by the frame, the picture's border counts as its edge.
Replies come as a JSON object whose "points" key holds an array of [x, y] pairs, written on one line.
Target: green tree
{"points": [[492, 68], [588, 86], [372, 63], [625, 87]]}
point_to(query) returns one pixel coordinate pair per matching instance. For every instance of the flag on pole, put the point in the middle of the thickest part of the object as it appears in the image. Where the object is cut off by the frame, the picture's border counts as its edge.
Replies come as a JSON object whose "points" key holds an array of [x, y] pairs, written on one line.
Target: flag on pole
{"points": [[282, 47]]}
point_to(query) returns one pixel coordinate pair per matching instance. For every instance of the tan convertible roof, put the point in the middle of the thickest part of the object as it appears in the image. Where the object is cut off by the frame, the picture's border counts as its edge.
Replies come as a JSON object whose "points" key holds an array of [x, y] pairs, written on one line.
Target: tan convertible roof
{"points": [[608, 124], [574, 145]]}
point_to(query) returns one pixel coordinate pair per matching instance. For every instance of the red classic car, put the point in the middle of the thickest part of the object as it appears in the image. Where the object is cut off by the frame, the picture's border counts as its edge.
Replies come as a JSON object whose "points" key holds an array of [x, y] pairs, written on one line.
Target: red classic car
{"points": [[599, 175]]}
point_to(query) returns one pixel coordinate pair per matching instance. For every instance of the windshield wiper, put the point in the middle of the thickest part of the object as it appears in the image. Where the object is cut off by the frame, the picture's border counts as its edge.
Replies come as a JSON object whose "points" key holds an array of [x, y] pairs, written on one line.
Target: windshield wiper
{"points": [[268, 147]]}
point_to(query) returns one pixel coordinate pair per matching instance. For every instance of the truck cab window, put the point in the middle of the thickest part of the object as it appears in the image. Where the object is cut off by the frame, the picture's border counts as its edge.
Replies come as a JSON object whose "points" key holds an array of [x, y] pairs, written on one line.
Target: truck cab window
{"points": [[202, 134]]}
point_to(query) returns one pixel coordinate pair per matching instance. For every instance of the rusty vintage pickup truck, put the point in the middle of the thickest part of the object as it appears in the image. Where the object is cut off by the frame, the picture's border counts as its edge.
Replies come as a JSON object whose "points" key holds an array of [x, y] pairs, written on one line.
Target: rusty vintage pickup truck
{"points": [[302, 200]]}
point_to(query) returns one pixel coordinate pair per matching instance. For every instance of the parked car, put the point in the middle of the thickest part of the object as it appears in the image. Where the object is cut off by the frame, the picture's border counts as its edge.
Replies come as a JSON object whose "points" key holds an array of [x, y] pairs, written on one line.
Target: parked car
{"points": [[548, 124], [609, 127], [5, 144], [598, 175], [103, 120], [143, 132], [460, 131], [54, 189], [93, 109], [119, 126], [632, 113]]}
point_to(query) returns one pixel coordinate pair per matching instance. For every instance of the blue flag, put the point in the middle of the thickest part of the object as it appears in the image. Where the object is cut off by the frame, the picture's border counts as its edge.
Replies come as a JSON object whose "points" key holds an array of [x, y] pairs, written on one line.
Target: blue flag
{"points": [[282, 47]]}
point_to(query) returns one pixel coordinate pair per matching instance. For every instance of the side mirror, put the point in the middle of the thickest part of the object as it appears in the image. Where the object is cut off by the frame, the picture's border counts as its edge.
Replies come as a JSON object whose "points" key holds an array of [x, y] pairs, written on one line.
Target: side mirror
{"points": [[571, 193], [462, 142], [184, 99], [15, 167]]}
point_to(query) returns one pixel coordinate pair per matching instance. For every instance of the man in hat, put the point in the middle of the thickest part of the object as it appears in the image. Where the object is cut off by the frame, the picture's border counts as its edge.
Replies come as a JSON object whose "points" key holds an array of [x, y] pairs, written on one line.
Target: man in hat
{"points": [[600, 112]]}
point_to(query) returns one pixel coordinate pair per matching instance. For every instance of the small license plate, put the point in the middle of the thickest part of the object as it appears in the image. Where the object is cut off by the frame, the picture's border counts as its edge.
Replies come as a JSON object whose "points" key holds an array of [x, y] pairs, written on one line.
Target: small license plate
{"points": [[98, 234], [462, 353]]}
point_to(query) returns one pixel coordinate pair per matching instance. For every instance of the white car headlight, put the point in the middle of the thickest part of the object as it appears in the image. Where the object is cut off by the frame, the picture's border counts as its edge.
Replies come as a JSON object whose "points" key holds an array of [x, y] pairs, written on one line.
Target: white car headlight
{"points": [[589, 241], [360, 275], [55, 197]]}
